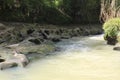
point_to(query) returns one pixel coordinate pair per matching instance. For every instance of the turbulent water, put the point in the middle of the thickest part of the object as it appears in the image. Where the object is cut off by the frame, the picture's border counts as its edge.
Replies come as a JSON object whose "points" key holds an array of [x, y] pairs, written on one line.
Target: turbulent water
{"points": [[83, 58]]}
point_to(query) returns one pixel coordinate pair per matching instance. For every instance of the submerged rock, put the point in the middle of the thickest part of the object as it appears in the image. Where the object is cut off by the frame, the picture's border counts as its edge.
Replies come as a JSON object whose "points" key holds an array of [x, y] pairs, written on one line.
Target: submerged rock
{"points": [[2, 60], [116, 48]]}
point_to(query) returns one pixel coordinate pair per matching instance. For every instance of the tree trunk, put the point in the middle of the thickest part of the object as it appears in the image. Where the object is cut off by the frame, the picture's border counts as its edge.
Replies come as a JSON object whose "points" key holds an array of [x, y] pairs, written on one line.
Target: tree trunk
{"points": [[109, 9]]}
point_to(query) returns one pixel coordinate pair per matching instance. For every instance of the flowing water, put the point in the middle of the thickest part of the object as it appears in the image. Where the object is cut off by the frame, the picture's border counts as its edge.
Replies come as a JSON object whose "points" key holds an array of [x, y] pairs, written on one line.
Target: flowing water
{"points": [[83, 58]]}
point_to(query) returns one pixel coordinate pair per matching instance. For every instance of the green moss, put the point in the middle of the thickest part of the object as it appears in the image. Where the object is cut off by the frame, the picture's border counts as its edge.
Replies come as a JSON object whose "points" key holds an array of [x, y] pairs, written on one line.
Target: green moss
{"points": [[41, 49], [111, 28]]}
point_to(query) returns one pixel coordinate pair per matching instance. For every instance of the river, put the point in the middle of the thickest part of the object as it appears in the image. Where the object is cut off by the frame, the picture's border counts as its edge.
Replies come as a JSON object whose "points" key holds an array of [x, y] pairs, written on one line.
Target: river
{"points": [[80, 58]]}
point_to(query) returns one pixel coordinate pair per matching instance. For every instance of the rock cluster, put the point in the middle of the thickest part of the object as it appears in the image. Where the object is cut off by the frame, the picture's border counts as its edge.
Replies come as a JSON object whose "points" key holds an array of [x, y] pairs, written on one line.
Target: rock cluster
{"points": [[36, 40], [38, 34]]}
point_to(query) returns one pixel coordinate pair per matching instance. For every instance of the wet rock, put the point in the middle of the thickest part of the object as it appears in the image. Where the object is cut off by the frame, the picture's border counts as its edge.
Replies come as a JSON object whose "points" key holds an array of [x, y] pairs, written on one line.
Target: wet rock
{"points": [[36, 41], [36, 50], [111, 41], [2, 60], [116, 48], [12, 46], [66, 36], [57, 49], [56, 39], [30, 31], [47, 32], [34, 56], [20, 59], [2, 41], [77, 31], [86, 33], [57, 32], [1, 25], [36, 34], [7, 64], [61, 30], [45, 36]]}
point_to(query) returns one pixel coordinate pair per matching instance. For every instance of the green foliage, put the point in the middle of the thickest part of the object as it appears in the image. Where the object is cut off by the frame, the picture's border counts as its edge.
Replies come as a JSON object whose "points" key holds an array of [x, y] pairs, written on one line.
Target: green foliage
{"points": [[111, 28], [53, 3], [50, 11], [85, 11], [51, 17], [118, 37]]}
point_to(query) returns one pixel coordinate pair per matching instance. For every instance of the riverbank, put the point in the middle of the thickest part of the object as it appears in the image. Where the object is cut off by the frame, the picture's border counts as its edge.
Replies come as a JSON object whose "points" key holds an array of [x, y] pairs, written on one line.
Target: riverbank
{"points": [[37, 41]]}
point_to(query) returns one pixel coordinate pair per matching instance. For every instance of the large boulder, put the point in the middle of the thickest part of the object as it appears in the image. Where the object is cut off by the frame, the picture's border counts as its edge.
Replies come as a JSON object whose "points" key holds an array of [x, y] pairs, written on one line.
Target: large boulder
{"points": [[7, 64], [20, 59]]}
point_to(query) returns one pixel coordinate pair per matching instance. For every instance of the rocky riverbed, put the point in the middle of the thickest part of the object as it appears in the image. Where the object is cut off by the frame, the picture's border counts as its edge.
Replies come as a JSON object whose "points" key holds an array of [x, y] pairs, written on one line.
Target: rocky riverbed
{"points": [[35, 40]]}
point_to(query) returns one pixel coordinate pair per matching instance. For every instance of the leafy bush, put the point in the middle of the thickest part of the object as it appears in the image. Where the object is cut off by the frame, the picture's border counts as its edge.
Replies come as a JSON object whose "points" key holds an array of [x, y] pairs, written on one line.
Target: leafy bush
{"points": [[111, 28]]}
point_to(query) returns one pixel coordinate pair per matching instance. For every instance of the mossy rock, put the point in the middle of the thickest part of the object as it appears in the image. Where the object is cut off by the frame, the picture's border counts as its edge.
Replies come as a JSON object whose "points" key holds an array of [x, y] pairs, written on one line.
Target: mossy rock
{"points": [[37, 51], [111, 29]]}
